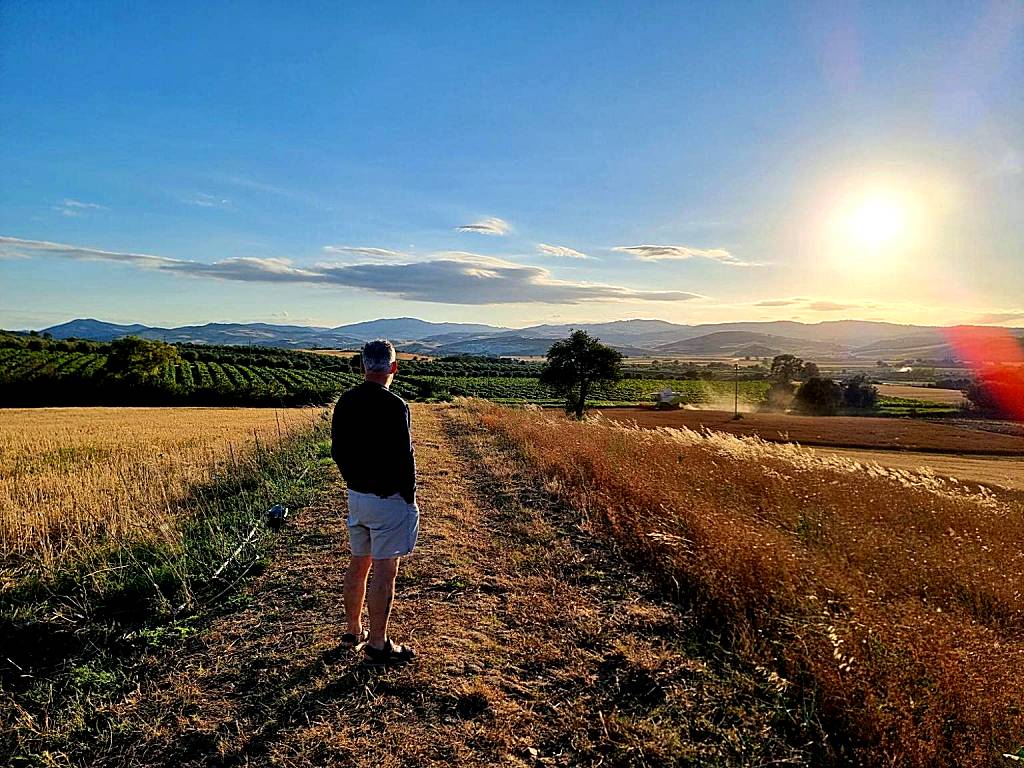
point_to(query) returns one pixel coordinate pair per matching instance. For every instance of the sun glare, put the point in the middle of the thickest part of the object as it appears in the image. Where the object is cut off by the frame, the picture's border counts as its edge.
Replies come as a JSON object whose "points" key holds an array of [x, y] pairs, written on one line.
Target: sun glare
{"points": [[880, 224], [877, 222]]}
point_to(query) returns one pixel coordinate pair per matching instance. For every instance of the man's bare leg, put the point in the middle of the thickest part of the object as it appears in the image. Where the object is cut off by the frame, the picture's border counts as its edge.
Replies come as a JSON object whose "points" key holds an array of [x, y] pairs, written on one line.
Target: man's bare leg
{"points": [[379, 597], [355, 592]]}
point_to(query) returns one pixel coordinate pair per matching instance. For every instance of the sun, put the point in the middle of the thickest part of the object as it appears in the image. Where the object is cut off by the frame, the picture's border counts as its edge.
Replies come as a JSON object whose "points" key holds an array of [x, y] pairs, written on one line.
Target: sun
{"points": [[878, 221], [879, 224]]}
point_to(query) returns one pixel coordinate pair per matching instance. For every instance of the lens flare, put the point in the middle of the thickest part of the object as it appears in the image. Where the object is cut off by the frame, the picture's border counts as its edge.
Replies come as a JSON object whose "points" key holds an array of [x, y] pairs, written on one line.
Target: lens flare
{"points": [[998, 359]]}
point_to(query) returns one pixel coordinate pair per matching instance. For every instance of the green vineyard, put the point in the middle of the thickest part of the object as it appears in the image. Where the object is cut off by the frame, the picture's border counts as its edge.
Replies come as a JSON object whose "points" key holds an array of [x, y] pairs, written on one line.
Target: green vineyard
{"points": [[253, 376], [48, 377]]}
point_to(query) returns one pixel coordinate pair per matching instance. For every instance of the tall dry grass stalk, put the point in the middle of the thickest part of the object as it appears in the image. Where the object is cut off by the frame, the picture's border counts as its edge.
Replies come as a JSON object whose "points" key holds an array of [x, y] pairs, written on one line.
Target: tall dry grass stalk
{"points": [[72, 478], [891, 603]]}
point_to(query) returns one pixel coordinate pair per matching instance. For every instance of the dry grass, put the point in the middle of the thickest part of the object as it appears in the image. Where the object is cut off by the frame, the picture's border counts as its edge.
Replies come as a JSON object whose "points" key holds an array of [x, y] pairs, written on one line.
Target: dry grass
{"points": [[889, 602], [839, 431], [538, 647], [71, 478]]}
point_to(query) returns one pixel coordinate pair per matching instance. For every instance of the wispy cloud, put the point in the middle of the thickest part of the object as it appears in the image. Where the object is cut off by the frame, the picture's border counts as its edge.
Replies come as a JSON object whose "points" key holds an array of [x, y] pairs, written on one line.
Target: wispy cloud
{"points": [[254, 185], [680, 252], [284, 317], [204, 200], [364, 252], [831, 306], [997, 318], [561, 251], [247, 269], [76, 208], [491, 226], [817, 305], [777, 303], [450, 277], [467, 278], [13, 247], [1010, 163]]}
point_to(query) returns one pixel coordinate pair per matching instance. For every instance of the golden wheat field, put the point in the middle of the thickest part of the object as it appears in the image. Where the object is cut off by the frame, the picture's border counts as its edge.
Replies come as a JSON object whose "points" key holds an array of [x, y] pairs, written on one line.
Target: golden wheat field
{"points": [[889, 598], [70, 477]]}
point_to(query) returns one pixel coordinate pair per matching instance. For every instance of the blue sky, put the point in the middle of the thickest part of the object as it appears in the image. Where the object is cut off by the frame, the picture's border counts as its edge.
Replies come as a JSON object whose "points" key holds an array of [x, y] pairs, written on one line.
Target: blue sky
{"points": [[313, 162]]}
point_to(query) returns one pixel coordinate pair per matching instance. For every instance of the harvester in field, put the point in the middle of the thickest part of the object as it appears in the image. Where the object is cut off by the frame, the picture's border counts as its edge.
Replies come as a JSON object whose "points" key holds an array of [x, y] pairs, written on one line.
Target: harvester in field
{"points": [[666, 399]]}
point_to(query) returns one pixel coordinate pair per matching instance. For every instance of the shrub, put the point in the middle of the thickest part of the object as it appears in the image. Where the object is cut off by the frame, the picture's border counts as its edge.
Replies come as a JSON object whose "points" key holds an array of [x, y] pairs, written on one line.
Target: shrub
{"points": [[858, 392], [819, 396]]}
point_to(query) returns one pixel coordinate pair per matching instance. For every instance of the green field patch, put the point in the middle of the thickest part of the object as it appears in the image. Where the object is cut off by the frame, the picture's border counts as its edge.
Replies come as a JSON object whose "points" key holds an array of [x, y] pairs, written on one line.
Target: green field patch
{"points": [[521, 389], [904, 406]]}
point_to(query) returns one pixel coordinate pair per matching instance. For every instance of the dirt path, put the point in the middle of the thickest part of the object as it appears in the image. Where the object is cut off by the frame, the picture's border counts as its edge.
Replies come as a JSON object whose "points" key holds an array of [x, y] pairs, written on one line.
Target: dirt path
{"points": [[537, 645]]}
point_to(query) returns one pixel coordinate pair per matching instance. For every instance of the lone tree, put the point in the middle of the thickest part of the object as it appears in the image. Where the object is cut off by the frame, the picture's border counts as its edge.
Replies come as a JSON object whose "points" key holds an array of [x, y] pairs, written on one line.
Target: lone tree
{"points": [[138, 359], [576, 364], [786, 368]]}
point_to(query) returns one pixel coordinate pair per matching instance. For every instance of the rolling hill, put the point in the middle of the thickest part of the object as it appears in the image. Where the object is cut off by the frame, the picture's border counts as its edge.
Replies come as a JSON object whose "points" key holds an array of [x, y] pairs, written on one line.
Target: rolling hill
{"points": [[732, 342], [868, 340]]}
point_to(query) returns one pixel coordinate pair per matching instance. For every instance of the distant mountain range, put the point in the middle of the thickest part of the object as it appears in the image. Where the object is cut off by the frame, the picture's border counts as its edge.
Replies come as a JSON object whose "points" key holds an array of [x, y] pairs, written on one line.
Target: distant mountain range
{"points": [[841, 339]]}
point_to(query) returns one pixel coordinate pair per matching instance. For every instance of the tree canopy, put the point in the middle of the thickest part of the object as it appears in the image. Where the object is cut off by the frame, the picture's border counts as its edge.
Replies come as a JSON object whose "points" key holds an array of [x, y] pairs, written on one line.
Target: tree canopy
{"points": [[575, 364], [858, 392], [786, 368], [142, 359], [819, 396]]}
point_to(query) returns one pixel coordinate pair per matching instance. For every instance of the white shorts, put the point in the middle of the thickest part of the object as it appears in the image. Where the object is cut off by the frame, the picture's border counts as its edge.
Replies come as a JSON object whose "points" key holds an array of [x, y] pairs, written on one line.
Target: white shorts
{"points": [[382, 528]]}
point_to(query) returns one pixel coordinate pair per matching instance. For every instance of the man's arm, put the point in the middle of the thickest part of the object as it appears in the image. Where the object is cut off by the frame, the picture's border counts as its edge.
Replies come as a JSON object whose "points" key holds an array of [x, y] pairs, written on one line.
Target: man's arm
{"points": [[406, 460], [339, 445]]}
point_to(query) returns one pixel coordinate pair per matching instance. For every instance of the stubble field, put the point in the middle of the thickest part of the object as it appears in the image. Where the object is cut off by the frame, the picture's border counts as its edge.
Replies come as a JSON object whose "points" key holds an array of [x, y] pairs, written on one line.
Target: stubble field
{"points": [[1004, 471], [880, 434], [71, 478], [925, 394]]}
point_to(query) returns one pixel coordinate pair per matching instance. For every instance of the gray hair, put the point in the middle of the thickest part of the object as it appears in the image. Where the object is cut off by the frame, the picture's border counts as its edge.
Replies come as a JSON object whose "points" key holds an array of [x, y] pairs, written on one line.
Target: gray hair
{"points": [[378, 355]]}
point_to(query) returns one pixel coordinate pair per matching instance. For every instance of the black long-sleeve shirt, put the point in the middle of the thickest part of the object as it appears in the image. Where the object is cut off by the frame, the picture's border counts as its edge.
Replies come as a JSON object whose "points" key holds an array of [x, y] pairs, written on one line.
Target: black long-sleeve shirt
{"points": [[371, 441]]}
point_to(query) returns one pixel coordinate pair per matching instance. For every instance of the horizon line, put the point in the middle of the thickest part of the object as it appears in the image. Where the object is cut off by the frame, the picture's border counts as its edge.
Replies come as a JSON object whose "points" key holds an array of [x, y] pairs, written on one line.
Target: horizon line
{"points": [[582, 323]]}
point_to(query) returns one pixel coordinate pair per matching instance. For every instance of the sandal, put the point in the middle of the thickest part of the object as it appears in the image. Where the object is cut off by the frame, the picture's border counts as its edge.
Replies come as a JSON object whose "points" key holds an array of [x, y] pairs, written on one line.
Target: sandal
{"points": [[348, 640], [349, 643], [389, 655]]}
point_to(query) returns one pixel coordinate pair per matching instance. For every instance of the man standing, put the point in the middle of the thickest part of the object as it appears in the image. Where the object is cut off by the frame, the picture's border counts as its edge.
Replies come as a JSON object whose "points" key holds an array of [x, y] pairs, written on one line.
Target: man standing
{"points": [[371, 442]]}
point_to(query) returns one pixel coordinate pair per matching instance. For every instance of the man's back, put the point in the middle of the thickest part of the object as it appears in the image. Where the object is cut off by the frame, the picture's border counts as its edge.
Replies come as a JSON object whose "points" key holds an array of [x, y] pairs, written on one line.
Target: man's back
{"points": [[372, 445], [371, 442]]}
